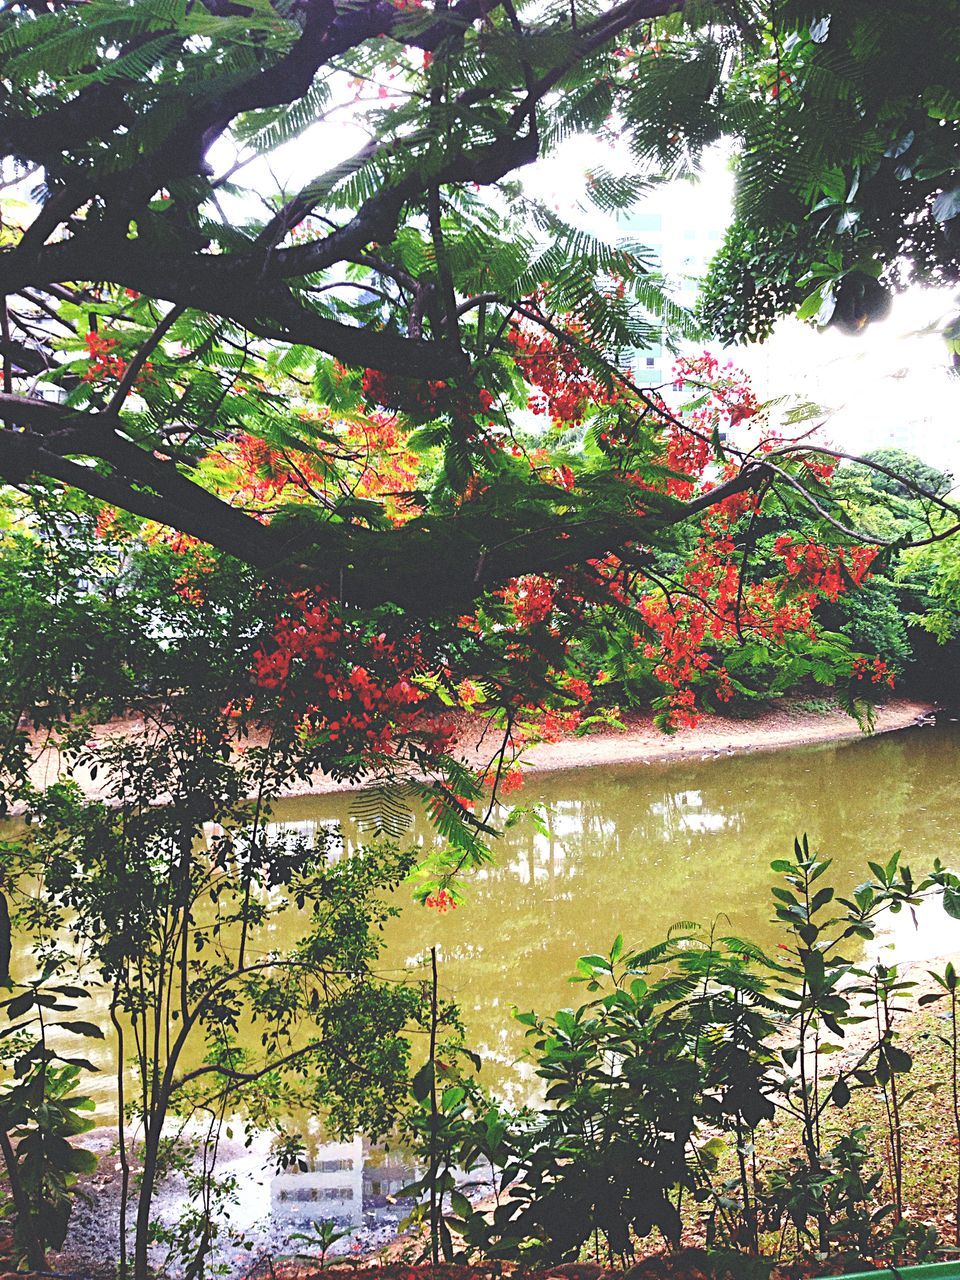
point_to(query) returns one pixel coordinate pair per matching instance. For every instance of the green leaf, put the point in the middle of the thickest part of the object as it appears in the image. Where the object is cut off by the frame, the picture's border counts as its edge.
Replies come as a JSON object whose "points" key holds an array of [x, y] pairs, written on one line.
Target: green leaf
{"points": [[20, 1004], [83, 1029], [810, 305], [898, 1059], [422, 1082], [947, 205], [460, 1204], [840, 1093]]}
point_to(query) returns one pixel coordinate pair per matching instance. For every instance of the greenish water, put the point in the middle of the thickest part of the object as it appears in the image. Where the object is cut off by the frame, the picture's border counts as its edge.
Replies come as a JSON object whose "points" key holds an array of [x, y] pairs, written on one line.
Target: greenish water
{"points": [[629, 849], [637, 848]]}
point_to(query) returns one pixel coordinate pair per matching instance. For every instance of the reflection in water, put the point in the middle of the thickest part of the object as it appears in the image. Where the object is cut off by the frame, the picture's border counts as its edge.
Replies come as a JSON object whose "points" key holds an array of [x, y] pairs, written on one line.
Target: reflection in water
{"points": [[637, 848], [352, 1183], [333, 1185], [631, 849], [343, 1180]]}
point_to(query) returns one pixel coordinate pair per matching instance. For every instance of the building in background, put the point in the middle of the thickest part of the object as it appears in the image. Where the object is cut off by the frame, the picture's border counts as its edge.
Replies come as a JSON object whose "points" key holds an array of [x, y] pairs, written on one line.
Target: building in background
{"points": [[682, 225]]}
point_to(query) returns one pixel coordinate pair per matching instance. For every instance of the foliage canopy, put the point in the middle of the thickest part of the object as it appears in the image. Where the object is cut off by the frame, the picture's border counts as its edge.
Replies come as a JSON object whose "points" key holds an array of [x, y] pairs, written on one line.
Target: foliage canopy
{"points": [[161, 302]]}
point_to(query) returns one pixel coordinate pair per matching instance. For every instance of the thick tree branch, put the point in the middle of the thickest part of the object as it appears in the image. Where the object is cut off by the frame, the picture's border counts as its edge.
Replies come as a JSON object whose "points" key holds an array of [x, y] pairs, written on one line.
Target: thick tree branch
{"points": [[229, 287], [93, 113], [420, 566]]}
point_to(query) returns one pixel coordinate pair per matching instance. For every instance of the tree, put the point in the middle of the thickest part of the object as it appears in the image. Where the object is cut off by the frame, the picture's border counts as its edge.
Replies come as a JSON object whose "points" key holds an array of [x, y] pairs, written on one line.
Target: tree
{"points": [[415, 258], [270, 446], [330, 390], [847, 180], [165, 898], [904, 466]]}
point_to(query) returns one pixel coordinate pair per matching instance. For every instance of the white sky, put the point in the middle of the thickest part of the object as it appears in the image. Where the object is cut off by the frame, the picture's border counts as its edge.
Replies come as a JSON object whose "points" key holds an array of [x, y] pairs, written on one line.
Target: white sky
{"points": [[890, 386]]}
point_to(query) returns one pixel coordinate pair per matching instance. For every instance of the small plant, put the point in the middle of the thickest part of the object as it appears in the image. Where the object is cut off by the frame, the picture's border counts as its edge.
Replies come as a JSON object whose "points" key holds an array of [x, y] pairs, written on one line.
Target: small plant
{"points": [[321, 1237], [842, 1190], [883, 987], [817, 706], [41, 1110], [948, 984], [656, 1088]]}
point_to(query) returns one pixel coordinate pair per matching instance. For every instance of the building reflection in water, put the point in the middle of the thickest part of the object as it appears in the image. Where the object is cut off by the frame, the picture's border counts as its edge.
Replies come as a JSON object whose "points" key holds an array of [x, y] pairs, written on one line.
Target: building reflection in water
{"points": [[354, 1184], [347, 1181]]}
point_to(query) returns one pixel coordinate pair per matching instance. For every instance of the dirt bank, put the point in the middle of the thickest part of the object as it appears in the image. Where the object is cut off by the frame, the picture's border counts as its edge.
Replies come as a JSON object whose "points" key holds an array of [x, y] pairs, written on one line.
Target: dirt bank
{"points": [[791, 725], [794, 723]]}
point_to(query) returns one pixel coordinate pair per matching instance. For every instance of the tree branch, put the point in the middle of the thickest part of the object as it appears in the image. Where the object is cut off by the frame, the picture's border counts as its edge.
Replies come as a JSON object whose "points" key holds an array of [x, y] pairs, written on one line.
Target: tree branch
{"points": [[227, 286], [418, 565]]}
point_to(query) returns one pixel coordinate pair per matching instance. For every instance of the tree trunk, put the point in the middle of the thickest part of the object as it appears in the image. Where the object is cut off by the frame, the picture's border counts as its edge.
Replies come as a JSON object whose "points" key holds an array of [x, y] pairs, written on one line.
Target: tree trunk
{"points": [[148, 1178], [36, 1254]]}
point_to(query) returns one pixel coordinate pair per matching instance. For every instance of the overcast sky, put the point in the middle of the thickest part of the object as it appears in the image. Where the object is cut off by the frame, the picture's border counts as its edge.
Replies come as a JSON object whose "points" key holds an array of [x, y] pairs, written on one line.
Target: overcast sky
{"points": [[890, 386]]}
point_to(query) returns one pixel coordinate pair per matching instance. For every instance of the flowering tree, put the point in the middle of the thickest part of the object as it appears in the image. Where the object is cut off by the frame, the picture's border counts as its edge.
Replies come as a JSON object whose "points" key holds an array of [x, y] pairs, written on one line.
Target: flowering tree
{"points": [[333, 459], [333, 384], [412, 258]]}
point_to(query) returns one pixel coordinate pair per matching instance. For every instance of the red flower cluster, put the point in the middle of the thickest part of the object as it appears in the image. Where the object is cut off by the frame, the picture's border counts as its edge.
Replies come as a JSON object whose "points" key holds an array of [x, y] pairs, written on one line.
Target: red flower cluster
{"points": [[725, 400], [389, 468], [710, 605], [105, 365], [564, 389], [265, 472], [469, 695], [827, 570], [563, 477], [689, 454], [683, 713], [370, 452], [822, 468], [878, 671], [579, 689], [714, 606], [730, 398], [555, 724], [441, 902], [681, 661], [531, 598], [106, 522], [358, 690], [510, 780]]}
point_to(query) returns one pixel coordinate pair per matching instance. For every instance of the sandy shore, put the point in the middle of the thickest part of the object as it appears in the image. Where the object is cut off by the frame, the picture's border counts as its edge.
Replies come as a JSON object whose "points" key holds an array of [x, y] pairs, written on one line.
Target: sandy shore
{"points": [[643, 743], [789, 725]]}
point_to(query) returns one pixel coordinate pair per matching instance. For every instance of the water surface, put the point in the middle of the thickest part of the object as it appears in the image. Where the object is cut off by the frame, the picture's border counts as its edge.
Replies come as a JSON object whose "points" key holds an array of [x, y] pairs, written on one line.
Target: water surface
{"points": [[632, 848], [636, 848]]}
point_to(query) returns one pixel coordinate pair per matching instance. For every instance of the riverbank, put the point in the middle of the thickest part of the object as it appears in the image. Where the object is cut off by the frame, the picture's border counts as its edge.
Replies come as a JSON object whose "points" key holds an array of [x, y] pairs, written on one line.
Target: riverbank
{"points": [[794, 722]]}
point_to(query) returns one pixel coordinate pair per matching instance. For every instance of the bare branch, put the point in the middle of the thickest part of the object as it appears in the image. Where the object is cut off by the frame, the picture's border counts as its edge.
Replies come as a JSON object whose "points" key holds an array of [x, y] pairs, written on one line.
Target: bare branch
{"points": [[135, 367]]}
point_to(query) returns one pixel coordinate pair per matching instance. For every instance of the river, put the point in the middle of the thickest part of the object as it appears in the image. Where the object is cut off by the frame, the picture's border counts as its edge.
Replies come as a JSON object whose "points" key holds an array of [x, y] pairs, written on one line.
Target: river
{"points": [[636, 849], [631, 849]]}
